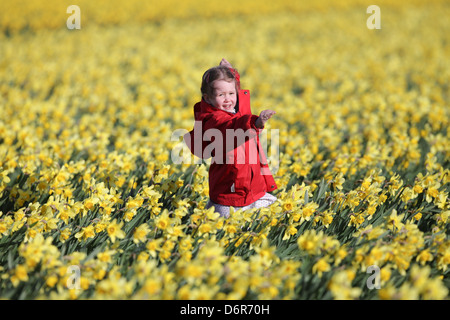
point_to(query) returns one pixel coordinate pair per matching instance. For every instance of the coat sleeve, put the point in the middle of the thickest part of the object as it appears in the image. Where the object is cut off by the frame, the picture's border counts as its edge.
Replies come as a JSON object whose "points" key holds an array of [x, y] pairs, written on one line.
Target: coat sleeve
{"points": [[230, 132], [194, 138], [224, 122]]}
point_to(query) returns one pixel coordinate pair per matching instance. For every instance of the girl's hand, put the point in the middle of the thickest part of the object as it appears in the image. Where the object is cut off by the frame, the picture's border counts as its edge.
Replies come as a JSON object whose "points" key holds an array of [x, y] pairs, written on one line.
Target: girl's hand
{"points": [[224, 62], [263, 117]]}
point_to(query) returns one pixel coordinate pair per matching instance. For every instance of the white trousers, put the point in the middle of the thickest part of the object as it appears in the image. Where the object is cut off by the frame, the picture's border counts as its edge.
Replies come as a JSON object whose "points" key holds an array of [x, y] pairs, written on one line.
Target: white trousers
{"points": [[224, 211]]}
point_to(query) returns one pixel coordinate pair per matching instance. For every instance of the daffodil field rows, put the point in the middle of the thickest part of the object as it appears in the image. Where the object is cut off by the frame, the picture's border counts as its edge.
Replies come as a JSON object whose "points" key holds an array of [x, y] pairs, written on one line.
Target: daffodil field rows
{"points": [[92, 205]]}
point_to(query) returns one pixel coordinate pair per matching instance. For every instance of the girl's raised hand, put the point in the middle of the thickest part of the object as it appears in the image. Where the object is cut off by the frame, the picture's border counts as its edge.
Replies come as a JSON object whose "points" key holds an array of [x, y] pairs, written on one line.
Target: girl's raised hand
{"points": [[263, 117], [224, 62]]}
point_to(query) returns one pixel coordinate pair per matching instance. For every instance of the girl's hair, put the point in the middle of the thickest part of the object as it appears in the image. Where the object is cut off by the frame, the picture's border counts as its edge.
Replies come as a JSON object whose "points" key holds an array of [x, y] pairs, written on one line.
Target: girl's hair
{"points": [[218, 73]]}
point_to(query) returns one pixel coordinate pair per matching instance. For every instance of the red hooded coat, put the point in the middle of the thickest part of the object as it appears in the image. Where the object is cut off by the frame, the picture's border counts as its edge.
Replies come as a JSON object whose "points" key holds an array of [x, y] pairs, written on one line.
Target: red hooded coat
{"points": [[239, 174]]}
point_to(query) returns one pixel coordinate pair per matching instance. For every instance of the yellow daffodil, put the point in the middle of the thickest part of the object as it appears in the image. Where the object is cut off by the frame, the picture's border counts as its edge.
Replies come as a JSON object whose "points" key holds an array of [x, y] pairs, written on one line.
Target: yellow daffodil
{"points": [[115, 231]]}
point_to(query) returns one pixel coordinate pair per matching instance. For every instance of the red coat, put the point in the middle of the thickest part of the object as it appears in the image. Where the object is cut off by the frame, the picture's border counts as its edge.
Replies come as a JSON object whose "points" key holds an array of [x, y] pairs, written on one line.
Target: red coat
{"points": [[239, 174]]}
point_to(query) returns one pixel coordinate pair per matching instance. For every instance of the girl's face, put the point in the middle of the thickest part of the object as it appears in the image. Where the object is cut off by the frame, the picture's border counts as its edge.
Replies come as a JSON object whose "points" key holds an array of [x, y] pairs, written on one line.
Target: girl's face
{"points": [[224, 96]]}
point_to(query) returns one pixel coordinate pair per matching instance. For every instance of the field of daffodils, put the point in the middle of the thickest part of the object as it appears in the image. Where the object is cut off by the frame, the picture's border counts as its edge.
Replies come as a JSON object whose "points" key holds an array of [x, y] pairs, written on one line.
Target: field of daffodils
{"points": [[93, 205]]}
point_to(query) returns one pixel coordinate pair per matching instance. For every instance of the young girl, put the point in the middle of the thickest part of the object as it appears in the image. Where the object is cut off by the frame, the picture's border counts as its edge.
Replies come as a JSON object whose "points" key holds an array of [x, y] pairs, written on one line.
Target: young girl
{"points": [[223, 119]]}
